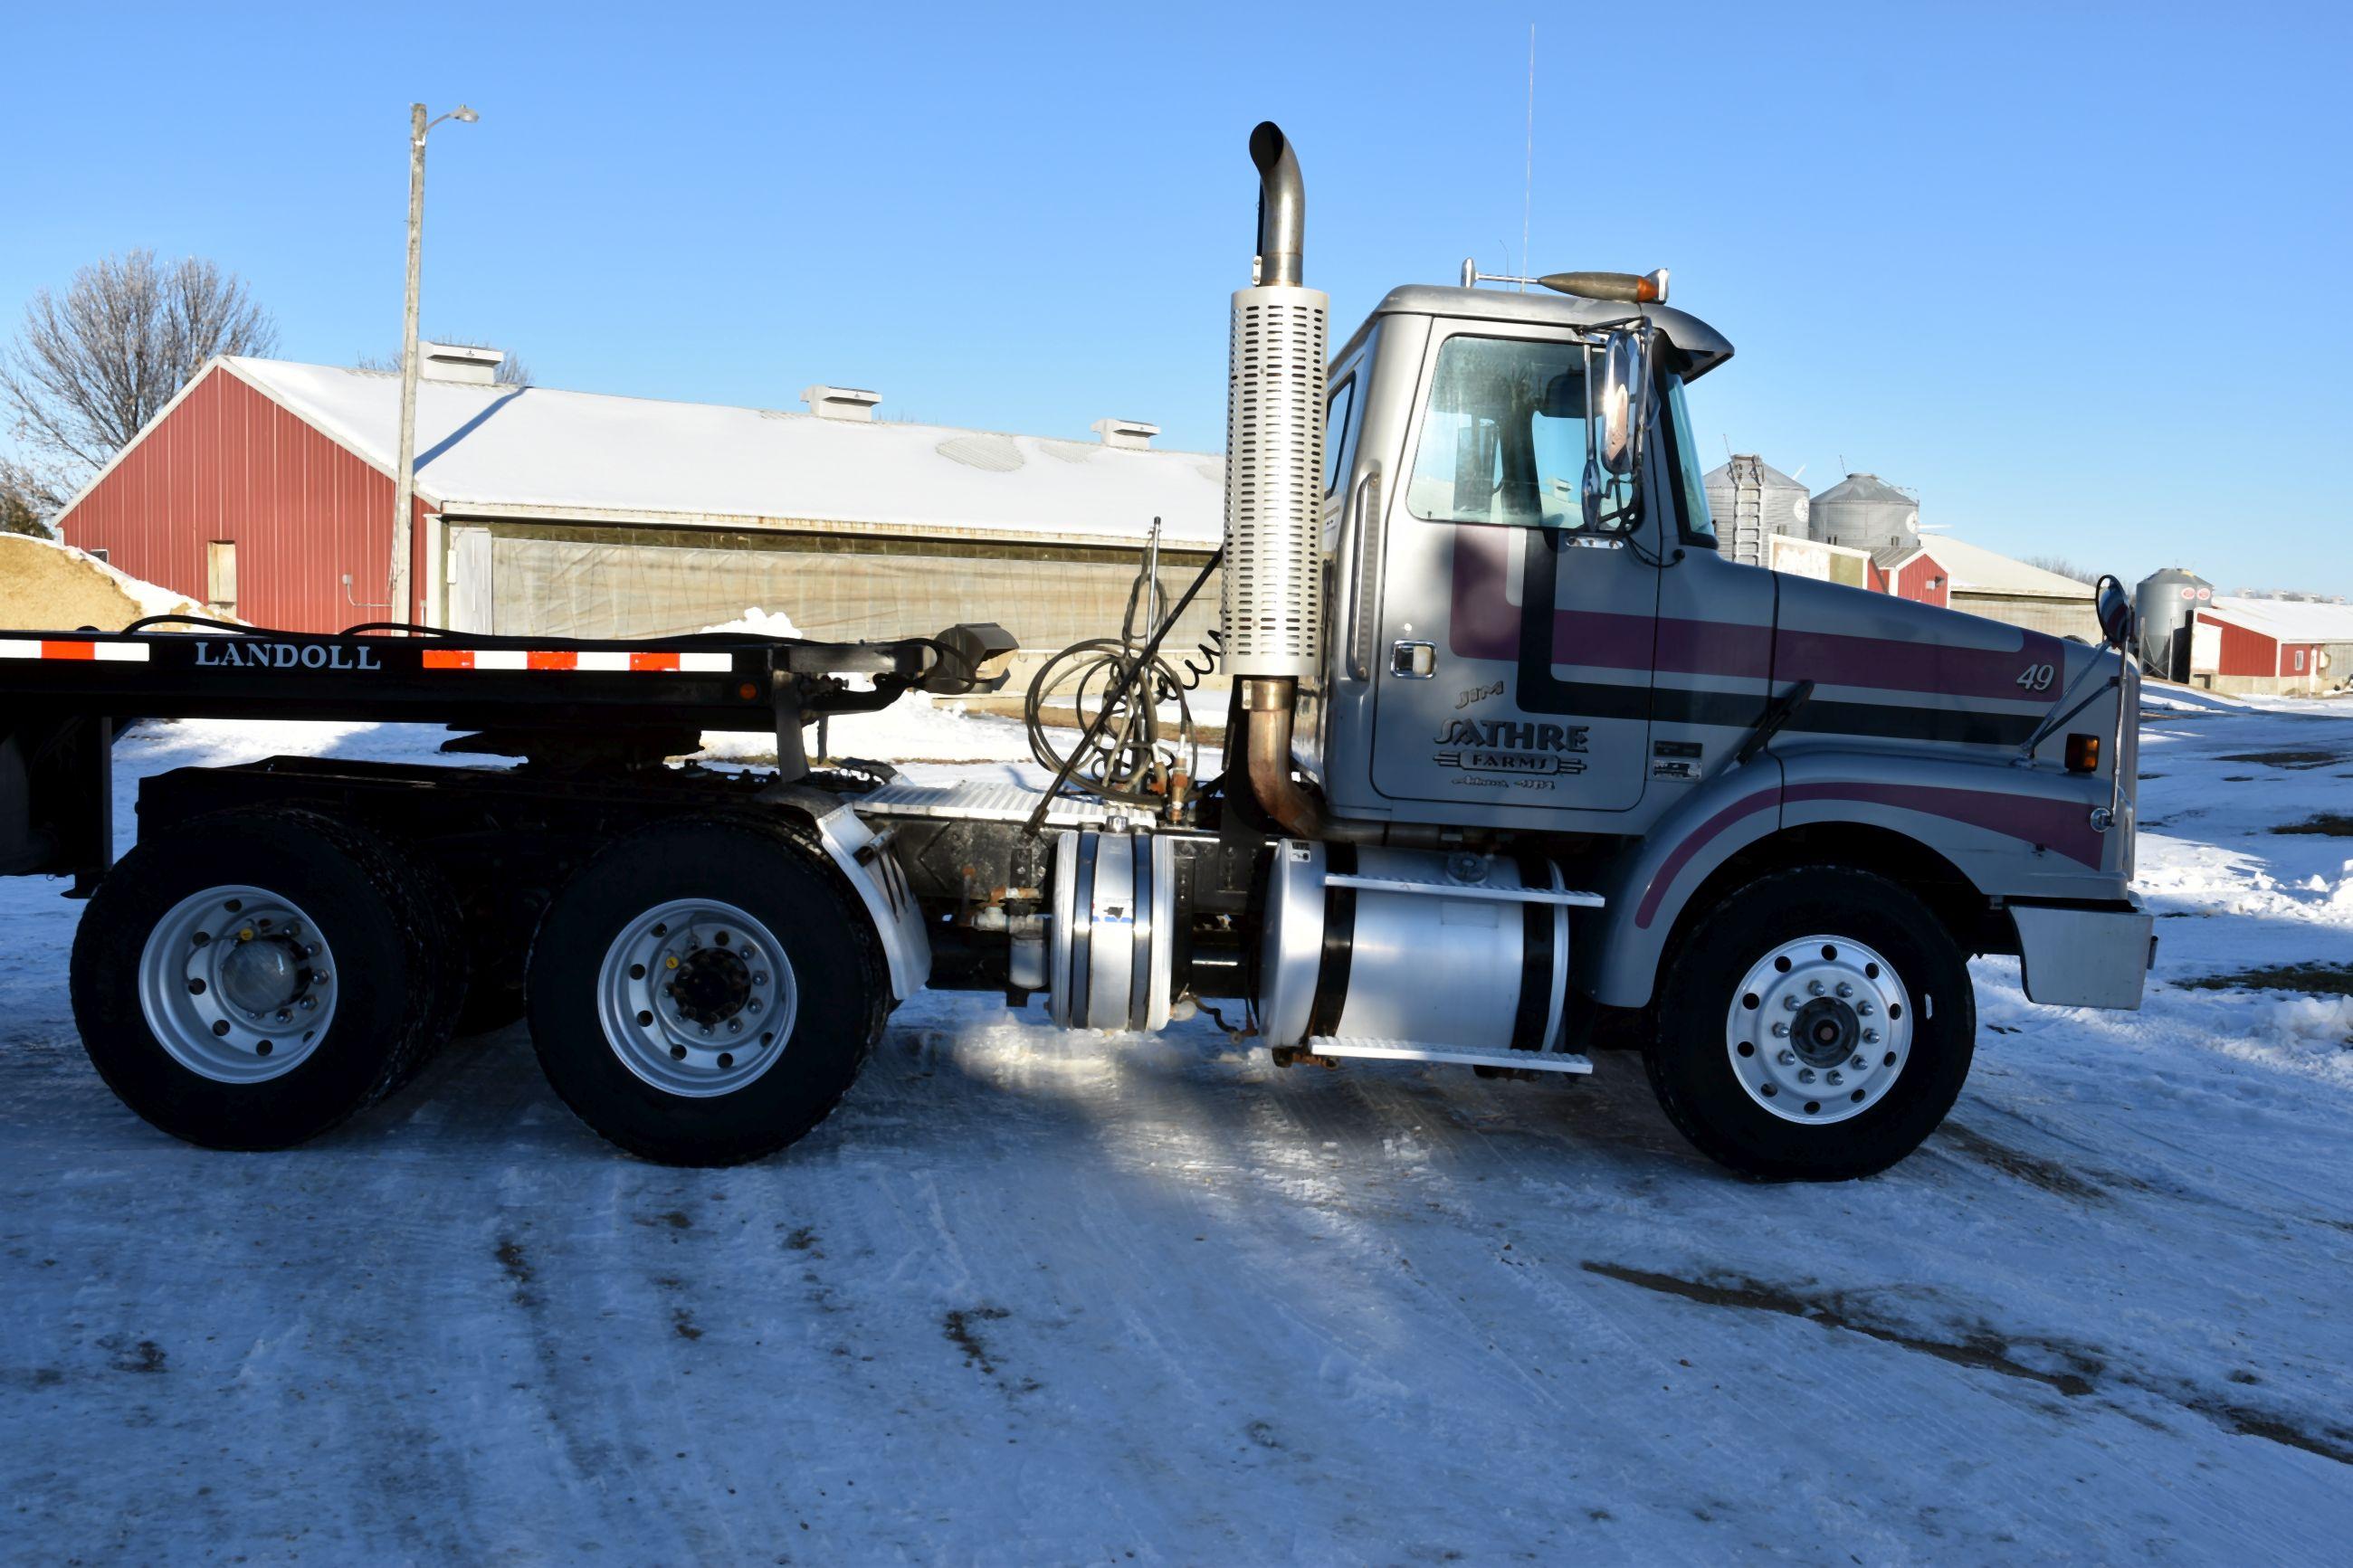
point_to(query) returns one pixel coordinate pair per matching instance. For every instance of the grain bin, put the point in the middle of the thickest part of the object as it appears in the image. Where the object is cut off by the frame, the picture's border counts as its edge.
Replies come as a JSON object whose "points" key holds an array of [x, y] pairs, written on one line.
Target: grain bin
{"points": [[1865, 512], [1751, 500], [2166, 602]]}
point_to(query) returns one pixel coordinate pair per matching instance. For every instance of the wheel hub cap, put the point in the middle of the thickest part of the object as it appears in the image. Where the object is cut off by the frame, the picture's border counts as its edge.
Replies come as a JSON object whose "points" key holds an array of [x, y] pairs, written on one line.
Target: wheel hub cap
{"points": [[697, 997], [1819, 1029], [238, 985]]}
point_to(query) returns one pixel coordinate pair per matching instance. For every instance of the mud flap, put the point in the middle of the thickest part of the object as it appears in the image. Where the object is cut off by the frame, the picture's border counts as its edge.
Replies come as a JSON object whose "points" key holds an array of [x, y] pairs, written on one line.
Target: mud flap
{"points": [[57, 799]]}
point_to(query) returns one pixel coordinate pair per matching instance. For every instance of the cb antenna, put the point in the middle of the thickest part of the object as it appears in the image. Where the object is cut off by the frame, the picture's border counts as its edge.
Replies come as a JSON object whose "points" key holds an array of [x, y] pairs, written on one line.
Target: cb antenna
{"points": [[1528, 183]]}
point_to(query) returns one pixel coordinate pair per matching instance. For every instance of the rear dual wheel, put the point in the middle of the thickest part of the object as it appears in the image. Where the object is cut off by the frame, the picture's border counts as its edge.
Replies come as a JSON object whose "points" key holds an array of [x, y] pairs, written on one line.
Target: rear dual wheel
{"points": [[251, 979], [704, 992]]}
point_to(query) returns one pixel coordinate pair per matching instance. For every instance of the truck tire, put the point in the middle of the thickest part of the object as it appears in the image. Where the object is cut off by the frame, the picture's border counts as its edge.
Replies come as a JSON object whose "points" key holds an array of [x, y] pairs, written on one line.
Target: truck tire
{"points": [[1815, 1025], [250, 979], [704, 992]]}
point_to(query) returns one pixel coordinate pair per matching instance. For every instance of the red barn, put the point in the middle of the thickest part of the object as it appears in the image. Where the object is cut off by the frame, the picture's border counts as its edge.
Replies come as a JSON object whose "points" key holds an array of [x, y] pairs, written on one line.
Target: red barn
{"points": [[2272, 646]]}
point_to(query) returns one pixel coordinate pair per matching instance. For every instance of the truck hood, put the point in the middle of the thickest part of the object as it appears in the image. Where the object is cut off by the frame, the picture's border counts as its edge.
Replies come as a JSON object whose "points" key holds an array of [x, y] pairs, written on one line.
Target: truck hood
{"points": [[1889, 670]]}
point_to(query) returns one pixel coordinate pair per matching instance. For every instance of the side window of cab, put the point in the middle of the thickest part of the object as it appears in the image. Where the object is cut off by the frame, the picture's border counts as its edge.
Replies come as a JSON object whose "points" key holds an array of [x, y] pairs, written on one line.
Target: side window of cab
{"points": [[1339, 433]]}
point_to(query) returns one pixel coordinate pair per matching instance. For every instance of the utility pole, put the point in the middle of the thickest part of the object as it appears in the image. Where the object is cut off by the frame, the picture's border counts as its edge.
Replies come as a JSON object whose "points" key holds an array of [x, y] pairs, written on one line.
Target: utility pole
{"points": [[404, 485]]}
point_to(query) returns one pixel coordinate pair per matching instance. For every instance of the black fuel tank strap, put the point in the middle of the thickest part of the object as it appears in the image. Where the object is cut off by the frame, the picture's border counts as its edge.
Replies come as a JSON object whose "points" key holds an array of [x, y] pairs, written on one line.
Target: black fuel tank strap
{"points": [[1535, 957], [1339, 944]]}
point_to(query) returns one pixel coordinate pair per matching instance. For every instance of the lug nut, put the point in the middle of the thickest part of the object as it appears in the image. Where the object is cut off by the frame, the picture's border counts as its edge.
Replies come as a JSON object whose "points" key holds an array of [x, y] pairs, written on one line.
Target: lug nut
{"points": [[1787, 1058], [1813, 987], [759, 980], [734, 1026], [1835, 1076], [285, 1016], [753, 1003], [1870, 1036], [1790, 1003], [1781, 1031], [1844, 989], [309, 1002], [1859, 1063], [1805, 1074], [1865, 1008], [670, 960]]}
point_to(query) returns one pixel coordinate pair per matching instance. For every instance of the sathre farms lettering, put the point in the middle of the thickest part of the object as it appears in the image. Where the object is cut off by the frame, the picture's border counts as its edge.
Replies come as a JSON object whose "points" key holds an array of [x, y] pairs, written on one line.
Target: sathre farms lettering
{"points": [[247, 654], [1511, 746]]}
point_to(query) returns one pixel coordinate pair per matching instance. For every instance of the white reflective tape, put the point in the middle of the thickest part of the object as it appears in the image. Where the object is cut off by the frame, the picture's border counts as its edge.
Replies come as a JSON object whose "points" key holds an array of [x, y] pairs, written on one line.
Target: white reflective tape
{"points": [[706, 663], [501, 658], [12, 647], [120, 652], [601, 661]]}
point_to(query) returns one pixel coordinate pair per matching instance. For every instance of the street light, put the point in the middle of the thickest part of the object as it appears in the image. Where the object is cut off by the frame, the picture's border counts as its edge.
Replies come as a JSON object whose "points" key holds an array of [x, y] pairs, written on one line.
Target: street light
{"points": [[405, 478]]}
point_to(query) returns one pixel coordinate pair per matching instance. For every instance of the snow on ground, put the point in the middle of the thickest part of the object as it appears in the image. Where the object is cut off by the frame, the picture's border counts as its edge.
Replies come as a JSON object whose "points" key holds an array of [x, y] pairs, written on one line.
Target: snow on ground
{"points": [[1037, 1297]]}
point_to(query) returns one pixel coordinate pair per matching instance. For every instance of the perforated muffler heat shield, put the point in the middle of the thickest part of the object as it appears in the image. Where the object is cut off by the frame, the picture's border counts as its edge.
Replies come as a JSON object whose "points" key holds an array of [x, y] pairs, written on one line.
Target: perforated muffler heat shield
{"points": [[1274, 481]]}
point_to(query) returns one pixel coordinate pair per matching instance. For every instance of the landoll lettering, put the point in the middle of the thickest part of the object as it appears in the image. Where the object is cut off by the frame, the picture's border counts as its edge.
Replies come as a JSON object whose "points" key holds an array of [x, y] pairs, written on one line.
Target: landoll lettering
{"points": [[245, 653]]}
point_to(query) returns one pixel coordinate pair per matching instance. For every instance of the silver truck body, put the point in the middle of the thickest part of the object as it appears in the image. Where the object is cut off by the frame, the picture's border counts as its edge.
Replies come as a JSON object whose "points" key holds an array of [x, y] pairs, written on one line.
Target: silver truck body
{"points": [[1574, 683]]}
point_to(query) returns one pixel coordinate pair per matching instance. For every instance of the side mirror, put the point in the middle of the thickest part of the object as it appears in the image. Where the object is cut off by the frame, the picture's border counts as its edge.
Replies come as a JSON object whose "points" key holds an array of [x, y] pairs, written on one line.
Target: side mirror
{"points": [[1620, 404], [2116, 615], [1613, 455]]}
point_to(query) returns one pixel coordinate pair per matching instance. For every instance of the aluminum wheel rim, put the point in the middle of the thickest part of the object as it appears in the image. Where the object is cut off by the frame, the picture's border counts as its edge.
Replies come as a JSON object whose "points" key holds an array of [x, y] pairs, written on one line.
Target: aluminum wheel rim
{"points": [[696, 997], [1819, 1029], [238, 985]]}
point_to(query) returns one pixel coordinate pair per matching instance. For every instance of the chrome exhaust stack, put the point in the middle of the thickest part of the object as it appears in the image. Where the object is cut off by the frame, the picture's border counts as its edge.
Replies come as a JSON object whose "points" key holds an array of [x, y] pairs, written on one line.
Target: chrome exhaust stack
{"points": [[1274, 485]]}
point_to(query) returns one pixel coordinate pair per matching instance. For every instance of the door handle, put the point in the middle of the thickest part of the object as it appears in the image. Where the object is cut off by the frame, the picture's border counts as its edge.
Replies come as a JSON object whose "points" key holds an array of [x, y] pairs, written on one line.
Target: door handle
{"points": [[1413, 660]]}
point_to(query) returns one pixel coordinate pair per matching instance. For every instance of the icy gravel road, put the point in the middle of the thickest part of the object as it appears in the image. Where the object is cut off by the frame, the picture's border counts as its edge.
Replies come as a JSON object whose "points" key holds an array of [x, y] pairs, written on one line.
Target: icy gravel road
{"points": [[1031, 1298]]}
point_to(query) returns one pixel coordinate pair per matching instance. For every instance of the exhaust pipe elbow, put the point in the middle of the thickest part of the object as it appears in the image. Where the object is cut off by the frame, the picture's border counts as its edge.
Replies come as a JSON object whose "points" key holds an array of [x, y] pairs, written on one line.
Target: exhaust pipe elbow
{"points": [[1266, 708], [1281, 207]]}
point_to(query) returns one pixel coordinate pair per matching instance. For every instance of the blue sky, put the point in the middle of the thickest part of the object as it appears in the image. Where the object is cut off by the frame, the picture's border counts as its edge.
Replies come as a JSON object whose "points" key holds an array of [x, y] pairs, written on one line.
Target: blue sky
{"points": [[2077, 274]]}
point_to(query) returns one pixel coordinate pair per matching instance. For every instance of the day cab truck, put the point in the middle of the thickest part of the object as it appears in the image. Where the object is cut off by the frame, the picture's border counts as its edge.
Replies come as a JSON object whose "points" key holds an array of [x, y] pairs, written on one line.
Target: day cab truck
{"points": [[1515, 761]]}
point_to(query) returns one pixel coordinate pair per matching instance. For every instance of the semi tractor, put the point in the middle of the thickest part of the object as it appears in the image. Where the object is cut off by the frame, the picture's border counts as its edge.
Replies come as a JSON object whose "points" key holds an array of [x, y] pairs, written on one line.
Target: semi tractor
{"points": [[1515, 762]]}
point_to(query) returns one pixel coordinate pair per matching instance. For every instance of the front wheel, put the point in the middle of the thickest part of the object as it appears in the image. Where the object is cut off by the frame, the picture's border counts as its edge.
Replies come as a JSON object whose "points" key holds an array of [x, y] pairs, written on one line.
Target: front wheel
{"points": [[1815, 1025], [705, 992]]}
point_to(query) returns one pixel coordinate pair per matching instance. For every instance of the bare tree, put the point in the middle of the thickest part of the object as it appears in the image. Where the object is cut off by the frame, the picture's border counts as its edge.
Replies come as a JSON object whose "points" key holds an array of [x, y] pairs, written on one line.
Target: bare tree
{"points": [[2062, 565], [21, 509], [88, 371], [512, 371]]}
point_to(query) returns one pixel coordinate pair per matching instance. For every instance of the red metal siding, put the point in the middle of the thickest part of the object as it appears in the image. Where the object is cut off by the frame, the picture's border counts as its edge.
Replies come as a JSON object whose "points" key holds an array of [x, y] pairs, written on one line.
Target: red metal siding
{"points": [[1911, 580], [229, 464], [2243, 652]]}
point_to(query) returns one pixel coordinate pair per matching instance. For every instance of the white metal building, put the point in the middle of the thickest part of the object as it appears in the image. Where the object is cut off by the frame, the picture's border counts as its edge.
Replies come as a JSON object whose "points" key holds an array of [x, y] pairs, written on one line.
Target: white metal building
{"points": [[583, 514]]}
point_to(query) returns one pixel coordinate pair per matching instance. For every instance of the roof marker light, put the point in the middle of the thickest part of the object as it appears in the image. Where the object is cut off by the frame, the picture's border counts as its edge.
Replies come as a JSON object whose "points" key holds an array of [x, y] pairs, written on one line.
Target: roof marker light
{"points": [[1628, 288]]}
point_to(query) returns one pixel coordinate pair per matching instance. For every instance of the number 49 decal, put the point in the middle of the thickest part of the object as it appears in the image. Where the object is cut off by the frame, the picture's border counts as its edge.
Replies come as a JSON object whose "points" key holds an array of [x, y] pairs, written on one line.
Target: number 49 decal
{"points": [[2036, 678]]}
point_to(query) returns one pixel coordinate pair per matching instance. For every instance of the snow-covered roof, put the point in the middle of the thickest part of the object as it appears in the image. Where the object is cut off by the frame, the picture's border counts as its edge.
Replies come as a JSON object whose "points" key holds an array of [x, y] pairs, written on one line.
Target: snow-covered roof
{"points": [[489, 452], [2287, 620], [1973, 566]]}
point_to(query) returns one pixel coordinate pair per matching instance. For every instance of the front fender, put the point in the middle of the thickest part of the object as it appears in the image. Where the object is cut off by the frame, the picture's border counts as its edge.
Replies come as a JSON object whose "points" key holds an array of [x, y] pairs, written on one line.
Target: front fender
{"points": [[1618, 950], [2011, 831]]}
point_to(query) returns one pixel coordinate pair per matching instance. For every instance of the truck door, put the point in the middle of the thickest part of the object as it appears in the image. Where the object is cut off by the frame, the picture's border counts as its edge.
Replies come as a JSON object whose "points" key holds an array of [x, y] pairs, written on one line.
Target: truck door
{"points": [[1514, 664]]}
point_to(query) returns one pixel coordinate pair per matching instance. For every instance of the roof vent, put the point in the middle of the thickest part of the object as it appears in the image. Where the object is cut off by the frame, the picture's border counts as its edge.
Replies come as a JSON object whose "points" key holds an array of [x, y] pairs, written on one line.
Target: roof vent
{"points": [[1129, 435], [457, 361], [840, 403]]}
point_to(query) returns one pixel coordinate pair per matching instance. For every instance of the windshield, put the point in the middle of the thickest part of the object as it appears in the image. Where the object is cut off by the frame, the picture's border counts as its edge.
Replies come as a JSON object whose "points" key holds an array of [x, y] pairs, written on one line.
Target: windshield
{"points": [[1503, 437]]}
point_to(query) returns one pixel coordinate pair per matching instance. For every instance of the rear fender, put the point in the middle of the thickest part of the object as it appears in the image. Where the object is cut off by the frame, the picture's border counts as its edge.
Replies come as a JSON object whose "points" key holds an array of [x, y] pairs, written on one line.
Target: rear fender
{"points": [[864, 857]]}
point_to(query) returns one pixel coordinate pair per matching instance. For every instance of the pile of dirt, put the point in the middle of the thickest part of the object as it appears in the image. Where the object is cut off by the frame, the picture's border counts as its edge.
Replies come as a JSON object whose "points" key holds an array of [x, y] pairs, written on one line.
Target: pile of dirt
{"points": [[47, 586]]}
